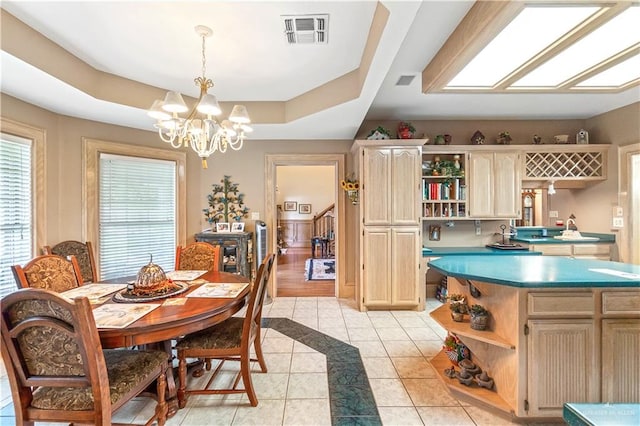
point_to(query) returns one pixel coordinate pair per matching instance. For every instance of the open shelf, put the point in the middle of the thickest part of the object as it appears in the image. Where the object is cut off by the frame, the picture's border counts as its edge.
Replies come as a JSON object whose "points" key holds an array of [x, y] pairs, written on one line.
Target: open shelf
{"points": [[442, 315], [482, 395]]}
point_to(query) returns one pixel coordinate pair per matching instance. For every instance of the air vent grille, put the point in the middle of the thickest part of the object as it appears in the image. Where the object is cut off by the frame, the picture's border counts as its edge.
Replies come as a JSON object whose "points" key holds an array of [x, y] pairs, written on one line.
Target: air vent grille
{"points": [[306, 29], [405, 80]]}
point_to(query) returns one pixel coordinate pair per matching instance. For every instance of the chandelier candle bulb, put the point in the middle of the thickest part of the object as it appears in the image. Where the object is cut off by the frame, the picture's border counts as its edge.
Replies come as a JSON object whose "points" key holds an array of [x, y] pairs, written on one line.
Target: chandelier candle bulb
{"points": [[200, 130]]}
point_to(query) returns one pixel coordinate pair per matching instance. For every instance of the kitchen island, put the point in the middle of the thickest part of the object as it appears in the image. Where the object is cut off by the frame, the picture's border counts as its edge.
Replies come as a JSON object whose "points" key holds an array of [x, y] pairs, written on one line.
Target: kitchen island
{"points": [[560, 330]]}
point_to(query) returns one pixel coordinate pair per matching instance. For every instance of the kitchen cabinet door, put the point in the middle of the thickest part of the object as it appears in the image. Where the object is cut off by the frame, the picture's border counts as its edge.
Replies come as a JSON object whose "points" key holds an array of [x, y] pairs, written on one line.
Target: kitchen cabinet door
{"points": [[494, 185], [391, 181], [565, 368], [391, 256], [620, 361]]}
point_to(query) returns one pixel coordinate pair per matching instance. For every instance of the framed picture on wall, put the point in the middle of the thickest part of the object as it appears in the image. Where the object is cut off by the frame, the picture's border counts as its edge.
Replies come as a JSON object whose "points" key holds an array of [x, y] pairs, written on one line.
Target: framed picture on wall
{"points": [[290, 206], [304, 209]]}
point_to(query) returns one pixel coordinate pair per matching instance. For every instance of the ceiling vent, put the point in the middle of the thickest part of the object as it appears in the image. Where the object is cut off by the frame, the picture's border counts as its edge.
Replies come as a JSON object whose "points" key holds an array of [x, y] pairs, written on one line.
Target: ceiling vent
{"points": [[306, 29], [405, 80]]}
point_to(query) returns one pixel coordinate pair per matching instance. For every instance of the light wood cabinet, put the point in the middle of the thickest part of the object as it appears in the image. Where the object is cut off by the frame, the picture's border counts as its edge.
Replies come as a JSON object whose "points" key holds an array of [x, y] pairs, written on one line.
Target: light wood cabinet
{"points": [[600, 251], [389, 223], [390, 257], [564, 367], [391, 179], [494, 185], [620, 372], [546, 347]]}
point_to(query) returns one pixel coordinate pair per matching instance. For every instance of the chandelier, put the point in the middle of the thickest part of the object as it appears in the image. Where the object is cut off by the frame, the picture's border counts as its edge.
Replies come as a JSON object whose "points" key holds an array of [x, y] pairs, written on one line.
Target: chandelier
{"points": [[200, 129]]}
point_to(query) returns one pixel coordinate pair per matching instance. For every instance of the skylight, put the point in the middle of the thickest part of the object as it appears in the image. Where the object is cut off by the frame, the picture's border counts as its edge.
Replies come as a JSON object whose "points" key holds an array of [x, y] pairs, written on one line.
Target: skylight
{"points": [[611, 38], [540, 47], [515, 45]]}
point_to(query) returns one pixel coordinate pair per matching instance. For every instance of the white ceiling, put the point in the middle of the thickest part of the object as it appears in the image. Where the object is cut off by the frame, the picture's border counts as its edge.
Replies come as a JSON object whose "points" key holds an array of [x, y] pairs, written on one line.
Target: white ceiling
{"points": [[154, 43]]}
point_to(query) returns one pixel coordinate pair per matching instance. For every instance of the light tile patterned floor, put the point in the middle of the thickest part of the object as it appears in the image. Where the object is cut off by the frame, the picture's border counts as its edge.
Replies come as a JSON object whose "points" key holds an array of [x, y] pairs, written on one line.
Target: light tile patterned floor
{"points": [[302, 386]]}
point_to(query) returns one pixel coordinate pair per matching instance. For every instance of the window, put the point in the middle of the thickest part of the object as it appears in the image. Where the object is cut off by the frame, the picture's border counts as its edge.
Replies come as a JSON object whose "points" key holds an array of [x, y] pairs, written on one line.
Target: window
{"points": [[21, 203], [138, 220], [135, 206], [16, 238]]}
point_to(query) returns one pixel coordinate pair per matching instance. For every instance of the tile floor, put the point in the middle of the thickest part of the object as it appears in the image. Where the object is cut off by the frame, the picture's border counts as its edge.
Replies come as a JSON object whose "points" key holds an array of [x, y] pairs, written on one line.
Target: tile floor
{"points": [[316, 377]]}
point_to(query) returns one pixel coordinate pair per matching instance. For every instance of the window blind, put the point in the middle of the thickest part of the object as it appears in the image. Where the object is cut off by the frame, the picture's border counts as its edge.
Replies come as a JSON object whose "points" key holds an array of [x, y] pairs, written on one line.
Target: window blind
{"points": [[137, 214], [16, 220]]}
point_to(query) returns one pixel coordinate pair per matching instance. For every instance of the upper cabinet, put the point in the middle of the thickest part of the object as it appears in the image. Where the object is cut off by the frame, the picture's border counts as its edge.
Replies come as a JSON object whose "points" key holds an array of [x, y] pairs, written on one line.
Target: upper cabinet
{"points": [[470, 182], [390, 178], [494, 184]]}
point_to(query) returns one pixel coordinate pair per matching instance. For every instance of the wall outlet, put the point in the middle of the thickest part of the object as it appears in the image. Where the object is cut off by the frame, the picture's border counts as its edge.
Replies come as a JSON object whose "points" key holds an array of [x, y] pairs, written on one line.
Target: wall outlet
{"points": [[553, 213], [255, 215], [618, 222], [478, 230], [618, 212]]}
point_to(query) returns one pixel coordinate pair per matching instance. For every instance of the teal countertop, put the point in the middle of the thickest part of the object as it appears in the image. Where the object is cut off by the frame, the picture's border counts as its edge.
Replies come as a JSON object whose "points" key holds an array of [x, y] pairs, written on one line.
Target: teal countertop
{"points": [[533, 235], [539, 271], [601, 414], [473, 251]]}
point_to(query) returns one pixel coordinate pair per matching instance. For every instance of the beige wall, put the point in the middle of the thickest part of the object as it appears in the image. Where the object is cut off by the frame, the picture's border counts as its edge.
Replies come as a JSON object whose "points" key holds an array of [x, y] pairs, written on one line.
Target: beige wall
{"points": [[313, 185], [591, 205], [64, 166]]}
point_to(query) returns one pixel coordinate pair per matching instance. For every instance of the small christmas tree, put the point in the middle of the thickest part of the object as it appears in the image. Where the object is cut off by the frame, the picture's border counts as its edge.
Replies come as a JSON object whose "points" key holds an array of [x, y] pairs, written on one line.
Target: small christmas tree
{"points": [[225, 203]]}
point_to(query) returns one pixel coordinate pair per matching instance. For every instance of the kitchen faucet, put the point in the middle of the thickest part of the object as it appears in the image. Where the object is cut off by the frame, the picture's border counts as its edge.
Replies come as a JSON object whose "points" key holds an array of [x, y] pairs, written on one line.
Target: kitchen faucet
{"points": [[571, 220]]}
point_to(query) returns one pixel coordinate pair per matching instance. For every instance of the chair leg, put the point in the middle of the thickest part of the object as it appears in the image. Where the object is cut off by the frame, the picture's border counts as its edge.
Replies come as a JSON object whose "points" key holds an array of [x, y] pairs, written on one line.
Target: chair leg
{"points": [[257, 346], [245, 370], [182, 381]]}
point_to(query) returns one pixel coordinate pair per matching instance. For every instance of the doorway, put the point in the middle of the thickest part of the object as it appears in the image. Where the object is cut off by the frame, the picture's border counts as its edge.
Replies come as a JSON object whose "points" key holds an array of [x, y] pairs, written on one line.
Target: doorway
{"points": [[305, 204], [271, 166], [629, 199]]}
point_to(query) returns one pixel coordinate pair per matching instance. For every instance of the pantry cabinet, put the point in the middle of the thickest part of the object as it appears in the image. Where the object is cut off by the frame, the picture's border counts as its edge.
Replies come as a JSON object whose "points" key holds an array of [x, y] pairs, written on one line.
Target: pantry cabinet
{"points": [[389, 240]]}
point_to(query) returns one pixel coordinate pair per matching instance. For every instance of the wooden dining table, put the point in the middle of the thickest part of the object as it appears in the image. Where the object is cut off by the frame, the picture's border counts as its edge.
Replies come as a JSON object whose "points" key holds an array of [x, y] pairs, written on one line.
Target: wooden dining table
{"points": [[170, 321]]}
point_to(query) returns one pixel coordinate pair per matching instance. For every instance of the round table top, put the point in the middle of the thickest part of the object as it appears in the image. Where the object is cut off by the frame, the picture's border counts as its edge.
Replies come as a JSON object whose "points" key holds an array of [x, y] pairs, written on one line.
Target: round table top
{"points": [[169, 321]]}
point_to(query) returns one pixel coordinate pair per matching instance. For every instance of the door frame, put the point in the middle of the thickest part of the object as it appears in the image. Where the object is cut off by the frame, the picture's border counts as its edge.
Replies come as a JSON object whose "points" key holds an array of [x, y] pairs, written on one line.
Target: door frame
{"points": [[272, 161], [628, 251]]}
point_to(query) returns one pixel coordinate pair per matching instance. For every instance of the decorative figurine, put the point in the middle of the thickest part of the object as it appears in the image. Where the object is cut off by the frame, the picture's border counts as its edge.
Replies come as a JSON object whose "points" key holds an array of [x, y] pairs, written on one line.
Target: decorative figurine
{"points": [[582, 137], [447, 139], [537, 139], [504, 138], [477, 138]]}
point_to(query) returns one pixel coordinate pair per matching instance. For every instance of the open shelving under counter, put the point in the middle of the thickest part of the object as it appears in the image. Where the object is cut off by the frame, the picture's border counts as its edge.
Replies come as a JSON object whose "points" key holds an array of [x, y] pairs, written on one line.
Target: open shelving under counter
{"points": [[559, 329], [481, 395], [442, 316]]}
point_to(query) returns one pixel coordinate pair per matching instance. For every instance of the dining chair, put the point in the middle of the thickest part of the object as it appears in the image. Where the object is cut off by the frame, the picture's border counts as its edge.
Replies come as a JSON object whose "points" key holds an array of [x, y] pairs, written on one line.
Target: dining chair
{"points": [[83, 253], [57, 369], [50, 272], [230, 340], [199, 256]]}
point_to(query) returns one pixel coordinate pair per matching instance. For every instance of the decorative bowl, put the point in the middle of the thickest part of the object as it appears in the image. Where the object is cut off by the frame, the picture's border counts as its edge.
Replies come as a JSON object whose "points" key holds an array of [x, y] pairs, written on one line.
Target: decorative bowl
{"points": [[561, 138]]}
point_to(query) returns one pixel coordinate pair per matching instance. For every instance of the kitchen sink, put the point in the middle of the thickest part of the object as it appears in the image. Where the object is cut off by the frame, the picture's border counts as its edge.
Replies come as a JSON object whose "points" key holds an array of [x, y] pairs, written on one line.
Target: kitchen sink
{"points": [[570, 235]]}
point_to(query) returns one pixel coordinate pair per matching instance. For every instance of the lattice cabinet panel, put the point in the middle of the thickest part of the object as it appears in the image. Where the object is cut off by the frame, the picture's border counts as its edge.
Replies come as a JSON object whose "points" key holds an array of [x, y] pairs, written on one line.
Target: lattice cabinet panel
{"points": [[582, 165]]}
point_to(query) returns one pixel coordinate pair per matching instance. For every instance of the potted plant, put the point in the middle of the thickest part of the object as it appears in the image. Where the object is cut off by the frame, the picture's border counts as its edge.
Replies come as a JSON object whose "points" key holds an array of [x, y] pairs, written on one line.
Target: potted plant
{"points": [[405, 130], [479, 317], [458, 307], [455, 350]]}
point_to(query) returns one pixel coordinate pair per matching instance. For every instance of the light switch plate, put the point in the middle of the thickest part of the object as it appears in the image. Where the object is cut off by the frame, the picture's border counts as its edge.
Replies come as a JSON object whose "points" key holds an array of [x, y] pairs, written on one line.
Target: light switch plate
{"points": [[553, 213], [618, 222], [255, 215]]}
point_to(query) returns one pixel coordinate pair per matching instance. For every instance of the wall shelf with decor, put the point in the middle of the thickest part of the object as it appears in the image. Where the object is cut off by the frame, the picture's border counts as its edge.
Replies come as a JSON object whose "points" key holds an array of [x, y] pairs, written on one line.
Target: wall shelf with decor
{"points": [[444, 186]]}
